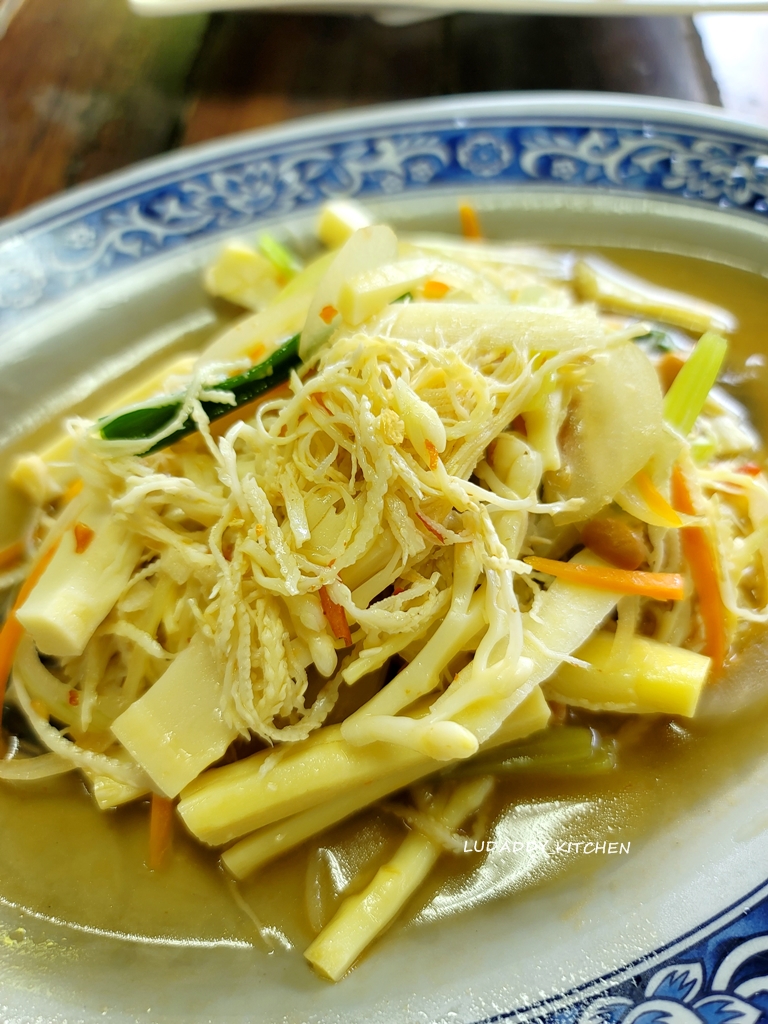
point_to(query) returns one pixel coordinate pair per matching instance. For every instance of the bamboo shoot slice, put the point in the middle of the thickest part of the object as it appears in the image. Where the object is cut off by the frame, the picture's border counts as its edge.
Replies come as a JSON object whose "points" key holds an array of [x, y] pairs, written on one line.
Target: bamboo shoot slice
{"points": [[267, 844], [177, 728], [654, 678], [78, 590], [619, 290], [362, 917]]}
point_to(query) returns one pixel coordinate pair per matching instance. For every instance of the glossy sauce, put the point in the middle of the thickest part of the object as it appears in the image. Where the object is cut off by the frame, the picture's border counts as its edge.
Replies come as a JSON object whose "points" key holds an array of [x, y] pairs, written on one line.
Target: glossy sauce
{"points": [[61, 858]]}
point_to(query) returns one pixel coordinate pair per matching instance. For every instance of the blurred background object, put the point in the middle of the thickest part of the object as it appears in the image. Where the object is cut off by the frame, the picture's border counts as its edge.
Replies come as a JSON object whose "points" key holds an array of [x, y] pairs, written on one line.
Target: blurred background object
{"points": [[87, 87], [8, 8]]}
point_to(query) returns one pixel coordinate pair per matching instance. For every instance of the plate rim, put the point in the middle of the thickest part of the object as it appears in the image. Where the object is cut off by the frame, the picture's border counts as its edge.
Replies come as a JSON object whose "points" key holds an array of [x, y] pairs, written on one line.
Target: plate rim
{"points": [[531, 104]]}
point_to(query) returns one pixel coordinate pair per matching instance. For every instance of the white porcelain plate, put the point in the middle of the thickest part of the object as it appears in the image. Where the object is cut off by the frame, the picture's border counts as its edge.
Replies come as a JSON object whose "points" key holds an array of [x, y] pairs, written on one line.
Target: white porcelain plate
{"points": [[107, 275]]}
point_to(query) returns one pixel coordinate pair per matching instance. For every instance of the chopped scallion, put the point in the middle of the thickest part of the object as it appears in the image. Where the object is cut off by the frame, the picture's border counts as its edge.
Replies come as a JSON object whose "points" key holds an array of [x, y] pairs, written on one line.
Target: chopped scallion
{"points": [[280, 256], [145, 421]]}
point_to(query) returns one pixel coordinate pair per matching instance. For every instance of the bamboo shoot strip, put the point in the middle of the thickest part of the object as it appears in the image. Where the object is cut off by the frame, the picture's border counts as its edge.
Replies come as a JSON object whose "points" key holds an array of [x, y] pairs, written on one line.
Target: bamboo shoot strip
{"points": [[614, 288], [362, 917], [144, 421], [267, 844], [655, 678]]}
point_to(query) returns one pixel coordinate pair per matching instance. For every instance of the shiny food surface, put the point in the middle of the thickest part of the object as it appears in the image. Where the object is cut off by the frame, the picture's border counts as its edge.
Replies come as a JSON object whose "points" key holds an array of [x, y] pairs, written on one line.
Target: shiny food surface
{"points": [[61, 859]]}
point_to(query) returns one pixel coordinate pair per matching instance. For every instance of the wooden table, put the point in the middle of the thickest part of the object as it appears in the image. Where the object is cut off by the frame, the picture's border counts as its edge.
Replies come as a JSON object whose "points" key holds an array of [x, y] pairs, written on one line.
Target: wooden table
{"points": [[86, 87]]}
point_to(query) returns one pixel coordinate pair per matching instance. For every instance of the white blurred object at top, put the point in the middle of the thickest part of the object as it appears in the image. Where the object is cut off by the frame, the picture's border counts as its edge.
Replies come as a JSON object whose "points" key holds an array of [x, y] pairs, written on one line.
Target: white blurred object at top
{"points": [[403, 12]]}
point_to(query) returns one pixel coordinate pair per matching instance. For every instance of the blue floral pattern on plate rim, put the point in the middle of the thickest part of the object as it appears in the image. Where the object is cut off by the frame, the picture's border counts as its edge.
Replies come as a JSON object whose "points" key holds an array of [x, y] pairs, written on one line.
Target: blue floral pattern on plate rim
{"points": [[50, 256], [717, 973]]}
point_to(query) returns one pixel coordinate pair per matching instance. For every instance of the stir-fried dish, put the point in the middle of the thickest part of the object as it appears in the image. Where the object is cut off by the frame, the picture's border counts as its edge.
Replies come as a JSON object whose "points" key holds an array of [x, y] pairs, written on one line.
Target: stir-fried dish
{"points": [[381, 537]]}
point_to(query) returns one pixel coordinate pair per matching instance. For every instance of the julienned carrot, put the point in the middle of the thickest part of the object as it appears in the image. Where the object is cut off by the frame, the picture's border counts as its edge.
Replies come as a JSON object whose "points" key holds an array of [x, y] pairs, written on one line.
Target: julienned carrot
{"points": [[656, 501], [435, 289], [702, 561], [12, 555], [160, 830], [12, 632], [337, 617], [663, 586], [71, 492], [470, 222]]}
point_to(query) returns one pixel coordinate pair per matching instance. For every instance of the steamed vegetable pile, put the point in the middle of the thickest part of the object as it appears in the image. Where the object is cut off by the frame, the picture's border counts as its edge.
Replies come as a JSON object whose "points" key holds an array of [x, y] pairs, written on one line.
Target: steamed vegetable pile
{"points": [[427, 491]]}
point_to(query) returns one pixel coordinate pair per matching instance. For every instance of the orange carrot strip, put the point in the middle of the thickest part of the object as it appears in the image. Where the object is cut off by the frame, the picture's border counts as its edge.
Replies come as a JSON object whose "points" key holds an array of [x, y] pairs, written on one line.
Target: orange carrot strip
{"points": [[432, 453], [243, 412], [327, 313], [318, 397], [750, 468], [83, 537], [663, 586], [160, 831], [656, 501], [337, 617], [12, 555], [255, 353], [702, 561], [431, 527], [12, 631], [470, 222], [435, 289], [71, 492]]}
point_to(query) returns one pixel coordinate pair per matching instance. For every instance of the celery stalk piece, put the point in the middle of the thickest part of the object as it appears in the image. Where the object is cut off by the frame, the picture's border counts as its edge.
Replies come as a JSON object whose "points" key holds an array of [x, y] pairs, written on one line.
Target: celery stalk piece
{"points": [[616, 289], [228, 802], [685, 399], [570, 750], [177, 729], [280, 256], [78, 590], [654, 678], [361, 917]]}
